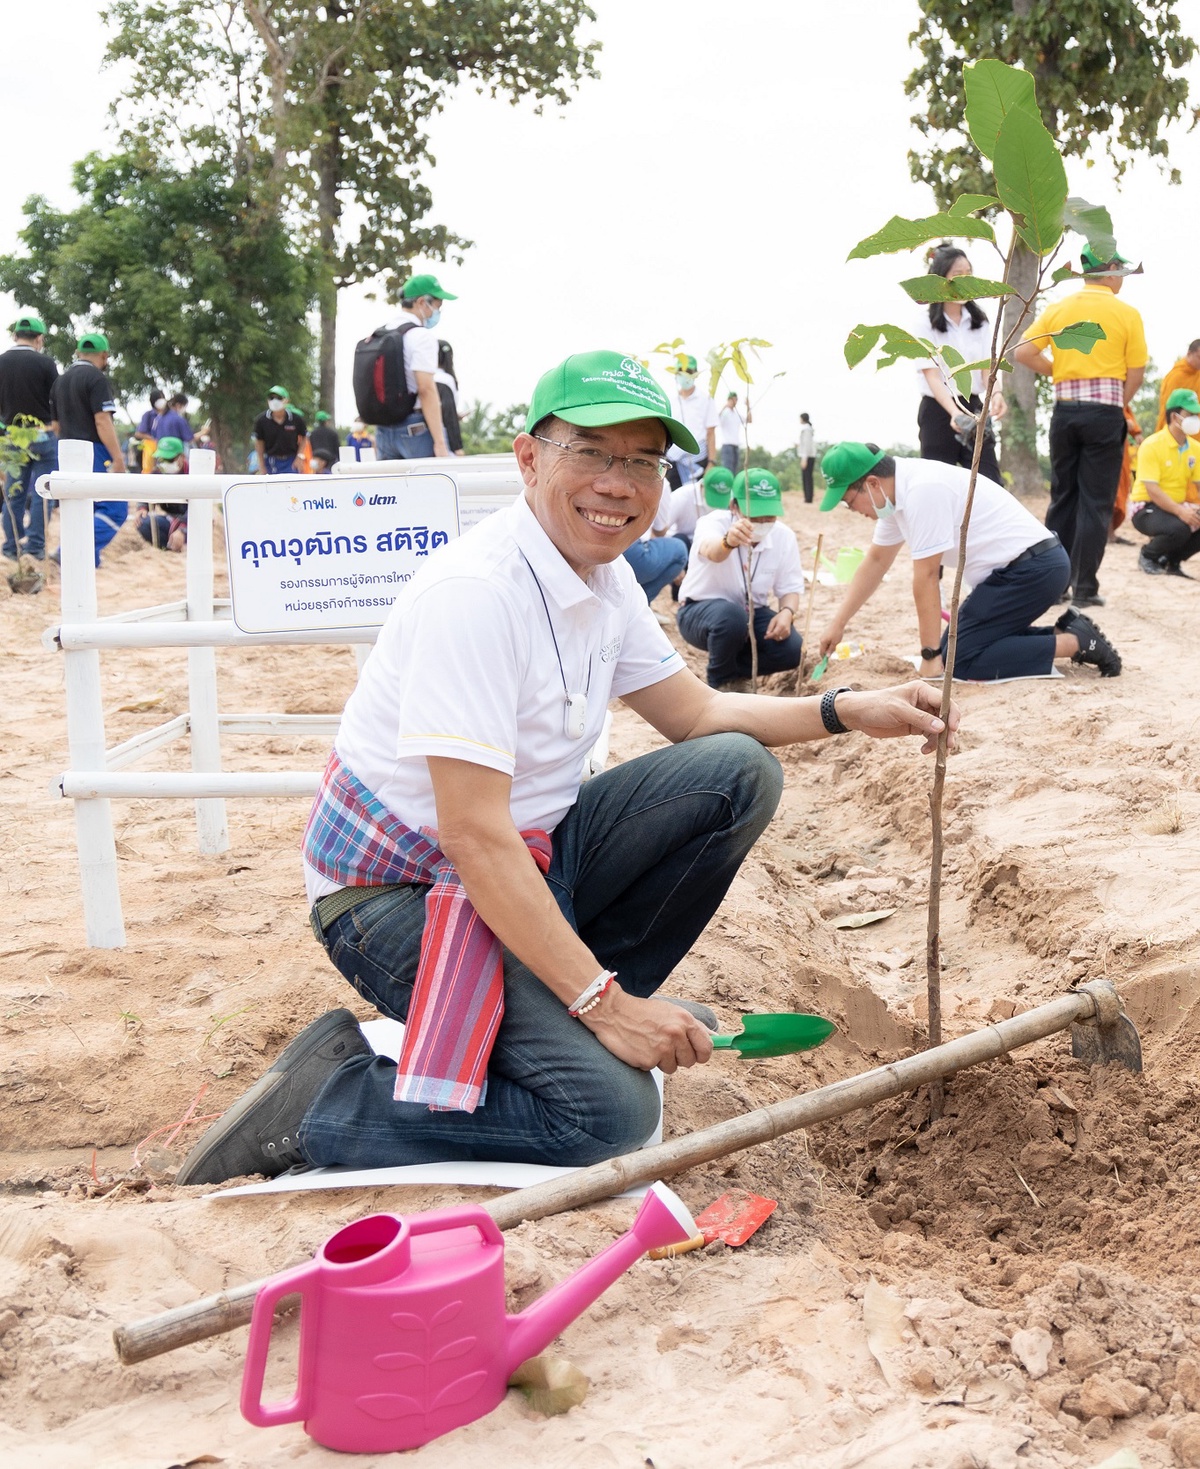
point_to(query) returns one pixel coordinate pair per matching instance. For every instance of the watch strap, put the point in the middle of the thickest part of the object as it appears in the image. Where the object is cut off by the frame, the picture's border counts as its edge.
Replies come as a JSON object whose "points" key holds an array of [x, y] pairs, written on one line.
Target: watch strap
{"points": [[829, 716], [930, 653]]}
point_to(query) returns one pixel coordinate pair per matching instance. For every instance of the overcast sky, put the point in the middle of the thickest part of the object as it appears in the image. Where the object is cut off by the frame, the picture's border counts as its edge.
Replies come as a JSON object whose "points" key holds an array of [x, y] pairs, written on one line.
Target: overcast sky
{"points": [[709, 185]]}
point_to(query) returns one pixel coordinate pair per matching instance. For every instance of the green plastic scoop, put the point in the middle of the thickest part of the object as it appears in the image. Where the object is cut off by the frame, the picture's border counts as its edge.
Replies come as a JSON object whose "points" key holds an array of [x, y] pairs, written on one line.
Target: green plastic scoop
{"points": [[817, 673], [777, 1035]]}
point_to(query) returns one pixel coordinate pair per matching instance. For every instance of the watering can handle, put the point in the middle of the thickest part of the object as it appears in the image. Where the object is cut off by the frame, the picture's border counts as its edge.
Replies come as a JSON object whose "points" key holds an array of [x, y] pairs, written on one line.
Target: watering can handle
{"points": [[295, 1408], [456, 1217]]}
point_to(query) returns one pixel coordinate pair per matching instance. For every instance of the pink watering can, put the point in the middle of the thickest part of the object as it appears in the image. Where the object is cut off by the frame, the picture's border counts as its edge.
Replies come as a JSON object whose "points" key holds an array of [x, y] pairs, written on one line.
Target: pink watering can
{"points": [[403, 1332]]}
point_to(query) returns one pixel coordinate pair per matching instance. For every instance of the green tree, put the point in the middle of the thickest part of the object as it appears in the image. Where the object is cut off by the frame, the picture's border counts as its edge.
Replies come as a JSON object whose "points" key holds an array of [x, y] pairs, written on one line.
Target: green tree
{"points": [[339, 94], [1107, 71], [485, 432], [190, 279]]}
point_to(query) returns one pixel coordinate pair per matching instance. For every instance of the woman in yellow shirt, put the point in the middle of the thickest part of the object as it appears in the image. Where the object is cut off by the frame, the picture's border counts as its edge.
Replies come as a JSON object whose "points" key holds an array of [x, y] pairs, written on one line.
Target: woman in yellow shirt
{"points": [[1166, 499]]}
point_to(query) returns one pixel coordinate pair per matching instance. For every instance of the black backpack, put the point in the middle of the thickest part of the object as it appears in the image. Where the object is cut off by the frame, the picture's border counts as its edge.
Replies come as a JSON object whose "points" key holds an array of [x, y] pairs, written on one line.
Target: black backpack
{"points": [[380, 391]]}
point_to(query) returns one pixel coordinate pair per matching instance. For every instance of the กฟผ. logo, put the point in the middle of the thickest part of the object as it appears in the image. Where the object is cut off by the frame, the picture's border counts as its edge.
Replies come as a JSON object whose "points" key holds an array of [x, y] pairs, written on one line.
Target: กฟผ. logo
{"points": [[293, 503]]}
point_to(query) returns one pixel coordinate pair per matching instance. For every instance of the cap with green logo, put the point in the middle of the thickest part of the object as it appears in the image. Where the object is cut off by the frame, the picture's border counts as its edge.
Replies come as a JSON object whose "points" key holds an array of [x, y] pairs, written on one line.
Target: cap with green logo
{"points": [[92, 342], [29, 324], [758, 493], [278, 392], [425, 285], [718, 487], [594, 389], [169, 448], [1183, 398], [1113, 264], [843, 465], [321, 416]]}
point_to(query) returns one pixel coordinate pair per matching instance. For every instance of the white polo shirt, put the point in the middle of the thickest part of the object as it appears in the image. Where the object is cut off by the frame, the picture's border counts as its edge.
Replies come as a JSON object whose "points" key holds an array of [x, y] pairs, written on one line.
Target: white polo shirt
{"points": [[465, 667], [687, 506], [732, 425], [697, 412], [930, 500], [774, 565], [974, 342], [420, 347]]}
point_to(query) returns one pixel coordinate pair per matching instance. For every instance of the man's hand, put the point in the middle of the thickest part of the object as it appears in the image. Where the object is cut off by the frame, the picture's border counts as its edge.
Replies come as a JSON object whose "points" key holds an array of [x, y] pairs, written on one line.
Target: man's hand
{"points": [[831, 637], [740, 533], [648, 1033], [1190, 516], [780, 626], [887, 714]]}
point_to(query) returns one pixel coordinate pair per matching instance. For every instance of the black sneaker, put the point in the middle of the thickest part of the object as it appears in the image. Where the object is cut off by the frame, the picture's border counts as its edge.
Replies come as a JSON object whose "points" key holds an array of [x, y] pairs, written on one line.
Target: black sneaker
{"points": [[258, 1133], [1173, 568], [1151, 565], [1094, 647], [1088, 599]]}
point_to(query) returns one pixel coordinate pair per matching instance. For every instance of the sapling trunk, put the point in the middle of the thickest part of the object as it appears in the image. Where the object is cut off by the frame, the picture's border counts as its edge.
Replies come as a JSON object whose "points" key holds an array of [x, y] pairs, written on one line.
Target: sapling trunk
{"points": [[750, 562]]}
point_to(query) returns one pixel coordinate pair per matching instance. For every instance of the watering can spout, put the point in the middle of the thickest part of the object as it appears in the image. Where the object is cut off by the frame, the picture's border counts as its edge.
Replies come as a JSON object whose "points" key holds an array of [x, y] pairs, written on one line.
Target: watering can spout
{"points": [[662, 1220]]}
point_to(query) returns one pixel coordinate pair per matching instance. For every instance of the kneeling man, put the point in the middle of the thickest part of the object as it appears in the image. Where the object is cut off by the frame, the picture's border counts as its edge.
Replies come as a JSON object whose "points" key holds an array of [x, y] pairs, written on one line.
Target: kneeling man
{"points": [[1014, 569], [465, 879]]}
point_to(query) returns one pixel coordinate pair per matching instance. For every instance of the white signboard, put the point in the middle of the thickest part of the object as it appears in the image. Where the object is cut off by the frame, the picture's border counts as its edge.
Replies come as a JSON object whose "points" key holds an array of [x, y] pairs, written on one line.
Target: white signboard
{"points": [[323, 551]]}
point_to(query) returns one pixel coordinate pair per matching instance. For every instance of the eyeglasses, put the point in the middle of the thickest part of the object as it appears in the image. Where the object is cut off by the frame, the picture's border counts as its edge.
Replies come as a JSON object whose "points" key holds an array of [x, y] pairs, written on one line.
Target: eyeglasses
{"points": [[641, 469]]}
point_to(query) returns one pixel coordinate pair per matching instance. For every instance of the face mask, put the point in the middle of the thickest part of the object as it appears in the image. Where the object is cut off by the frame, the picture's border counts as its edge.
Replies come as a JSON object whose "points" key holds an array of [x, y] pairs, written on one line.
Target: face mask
{"points": [[170, 466], [759, 534], [159, 404], [274, 404], [686, 380], [1190, 425], [433, 320], [884, 511]]}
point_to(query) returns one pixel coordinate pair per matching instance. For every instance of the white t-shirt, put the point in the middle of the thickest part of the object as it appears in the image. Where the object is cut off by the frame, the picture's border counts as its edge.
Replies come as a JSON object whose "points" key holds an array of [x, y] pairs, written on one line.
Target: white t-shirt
{"points": [[697, 412], [930, 499], [465, 667], [806, 443], [774, 565], [975, 343], [420, 349], [732, 424], [687, 506]]}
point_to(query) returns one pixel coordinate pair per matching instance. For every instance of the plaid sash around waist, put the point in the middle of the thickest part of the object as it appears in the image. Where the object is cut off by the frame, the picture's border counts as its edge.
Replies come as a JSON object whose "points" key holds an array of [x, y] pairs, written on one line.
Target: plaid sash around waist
{"points": [[458, 997]]}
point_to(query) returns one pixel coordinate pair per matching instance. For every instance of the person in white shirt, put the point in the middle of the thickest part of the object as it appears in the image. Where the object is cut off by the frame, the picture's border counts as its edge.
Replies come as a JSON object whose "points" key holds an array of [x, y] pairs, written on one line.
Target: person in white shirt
{"points": [[732, 423], [806, 452], [1014, 569], [659, 556], [695, 409], [737, 556], [422, 435], [942, 415], [466, 880]]}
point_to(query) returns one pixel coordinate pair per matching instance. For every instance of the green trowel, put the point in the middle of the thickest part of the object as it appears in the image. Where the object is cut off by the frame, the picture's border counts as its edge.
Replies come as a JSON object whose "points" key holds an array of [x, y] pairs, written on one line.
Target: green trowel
{"points": [[777, 1035]]}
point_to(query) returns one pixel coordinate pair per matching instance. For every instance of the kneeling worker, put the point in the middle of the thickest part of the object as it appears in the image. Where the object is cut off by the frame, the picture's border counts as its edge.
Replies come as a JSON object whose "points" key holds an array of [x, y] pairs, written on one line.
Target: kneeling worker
{"points": [[1014, 569], [730, 551], [465, 880], [1165, 503]]}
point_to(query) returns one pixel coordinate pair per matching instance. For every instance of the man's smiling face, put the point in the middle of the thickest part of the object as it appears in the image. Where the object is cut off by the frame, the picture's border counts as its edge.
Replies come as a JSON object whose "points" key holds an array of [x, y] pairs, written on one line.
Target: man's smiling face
{"points": [[590, 517]]}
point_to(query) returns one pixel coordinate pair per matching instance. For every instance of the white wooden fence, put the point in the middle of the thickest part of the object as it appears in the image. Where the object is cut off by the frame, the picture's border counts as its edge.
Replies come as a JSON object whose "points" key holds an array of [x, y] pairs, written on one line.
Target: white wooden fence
{"points": [[201, 623]]}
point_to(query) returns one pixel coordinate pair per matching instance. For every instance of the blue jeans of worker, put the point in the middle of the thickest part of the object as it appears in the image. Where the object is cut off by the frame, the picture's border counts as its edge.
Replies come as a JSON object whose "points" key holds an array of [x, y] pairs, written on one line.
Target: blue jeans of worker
{"points": [[730, 455], [640, 864], [408, 440], [719, 627], [24, 512], [656, 562], [995, 639], [281, 464]]}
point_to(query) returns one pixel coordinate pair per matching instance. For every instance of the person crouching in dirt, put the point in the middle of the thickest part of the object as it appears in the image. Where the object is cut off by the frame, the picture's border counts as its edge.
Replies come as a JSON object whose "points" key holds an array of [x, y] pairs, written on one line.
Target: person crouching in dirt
{"points": [[730, 546], [164, 526], [466, 880], [1015, 570]]}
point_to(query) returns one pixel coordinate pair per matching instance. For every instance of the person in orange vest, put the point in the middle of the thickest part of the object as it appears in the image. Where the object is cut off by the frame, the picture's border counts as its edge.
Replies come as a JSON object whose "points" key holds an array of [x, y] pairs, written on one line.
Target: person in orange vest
{"points": [[1185, 374]]}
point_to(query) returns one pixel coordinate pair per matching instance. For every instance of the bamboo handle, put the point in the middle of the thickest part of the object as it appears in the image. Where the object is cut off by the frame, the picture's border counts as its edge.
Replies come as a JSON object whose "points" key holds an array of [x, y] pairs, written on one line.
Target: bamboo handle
{"points": [[812, 597]]}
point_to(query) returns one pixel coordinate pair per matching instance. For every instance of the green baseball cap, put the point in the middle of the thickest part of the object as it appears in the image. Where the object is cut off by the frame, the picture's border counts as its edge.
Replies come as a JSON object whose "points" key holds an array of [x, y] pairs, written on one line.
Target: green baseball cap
{"points": [[425, 285], [1112, 265], [278, 392], [321, 416], [718, 487], [1183, 398], [594, 389], [758, 493], [169, 448], [683, 363], [92, 342], [33, 324], [843, 465]]}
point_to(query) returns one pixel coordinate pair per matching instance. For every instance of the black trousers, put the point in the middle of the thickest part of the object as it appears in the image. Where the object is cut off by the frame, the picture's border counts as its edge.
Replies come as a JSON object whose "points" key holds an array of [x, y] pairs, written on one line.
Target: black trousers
{"points": [[939, 441], [1087, 444], [1171, 539], [806, 476]]}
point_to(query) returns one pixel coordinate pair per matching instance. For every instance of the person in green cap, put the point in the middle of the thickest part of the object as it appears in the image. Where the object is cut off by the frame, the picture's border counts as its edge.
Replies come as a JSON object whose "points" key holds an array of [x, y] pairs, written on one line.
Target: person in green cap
{"points": [[27, 376], [325, 441], [395, 384], [696, 409], [1087, 427], [466, 879], [85, 406], [163, 524], [1165, 500], [1014, 569], [279, 435], [742, 552]]}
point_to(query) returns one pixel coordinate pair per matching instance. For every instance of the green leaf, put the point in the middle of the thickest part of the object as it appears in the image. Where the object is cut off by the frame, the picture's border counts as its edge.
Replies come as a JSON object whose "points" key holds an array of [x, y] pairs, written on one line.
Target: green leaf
{"points": [[962, 381], [860, 342], [1031, 180], [1094, 223], [1080, 336], [973, 203], [668, 347], [985, 364], [909, 234], [951, 355], [926, 288], [740, 366], [994, 90], [896, 343], [1064, 273]]}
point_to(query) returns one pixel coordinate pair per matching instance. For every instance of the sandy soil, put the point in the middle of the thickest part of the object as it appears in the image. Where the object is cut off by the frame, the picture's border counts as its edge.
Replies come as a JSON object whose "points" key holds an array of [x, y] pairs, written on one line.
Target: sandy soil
{"points": [[1014, 1285]]}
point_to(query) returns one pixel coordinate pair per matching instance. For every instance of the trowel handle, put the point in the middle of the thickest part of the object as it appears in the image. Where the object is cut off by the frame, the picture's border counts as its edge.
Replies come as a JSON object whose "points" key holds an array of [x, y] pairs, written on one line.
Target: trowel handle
{"points": [[254, 1410]]}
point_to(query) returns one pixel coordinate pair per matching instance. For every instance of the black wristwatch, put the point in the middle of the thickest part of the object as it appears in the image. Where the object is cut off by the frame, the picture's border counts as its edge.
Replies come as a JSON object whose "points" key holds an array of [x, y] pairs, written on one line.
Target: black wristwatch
{"points": [[929, 654], [829, 716]]}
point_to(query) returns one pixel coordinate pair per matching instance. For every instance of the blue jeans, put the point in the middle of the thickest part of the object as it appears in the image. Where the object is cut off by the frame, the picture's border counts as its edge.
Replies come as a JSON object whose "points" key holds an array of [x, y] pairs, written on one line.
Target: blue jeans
{"points": [[398, 441], [24, 512], [641, 863], [719, 627], [657, 562], [281, 464], [730, 455], [995, 639]]}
